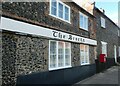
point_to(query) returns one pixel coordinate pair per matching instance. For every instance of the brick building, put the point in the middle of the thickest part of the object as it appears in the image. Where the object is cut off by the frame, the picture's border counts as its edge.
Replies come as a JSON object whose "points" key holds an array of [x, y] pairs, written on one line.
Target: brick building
{"points": [[107, 35], [47, 39], [50, 42]]}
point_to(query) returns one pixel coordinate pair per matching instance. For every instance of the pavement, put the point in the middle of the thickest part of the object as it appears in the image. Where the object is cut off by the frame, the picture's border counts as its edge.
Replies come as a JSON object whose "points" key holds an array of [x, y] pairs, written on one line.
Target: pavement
{"points": [[110, 77]]}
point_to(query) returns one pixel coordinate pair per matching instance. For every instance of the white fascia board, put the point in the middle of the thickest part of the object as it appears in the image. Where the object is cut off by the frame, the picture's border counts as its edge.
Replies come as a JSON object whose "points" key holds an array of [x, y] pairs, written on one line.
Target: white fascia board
{"points": [[26, 28]]}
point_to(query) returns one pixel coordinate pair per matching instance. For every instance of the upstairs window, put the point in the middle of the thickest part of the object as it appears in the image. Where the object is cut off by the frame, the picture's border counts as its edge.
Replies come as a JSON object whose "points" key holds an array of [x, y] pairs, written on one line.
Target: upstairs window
{"points": [[102, 22], [54, 7], [83, 21], [118, 32], [60, 10]]}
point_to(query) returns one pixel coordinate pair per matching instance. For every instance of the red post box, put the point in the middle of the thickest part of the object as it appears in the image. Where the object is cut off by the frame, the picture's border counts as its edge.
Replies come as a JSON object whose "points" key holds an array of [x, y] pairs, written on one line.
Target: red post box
{"points": [[102, 58]]}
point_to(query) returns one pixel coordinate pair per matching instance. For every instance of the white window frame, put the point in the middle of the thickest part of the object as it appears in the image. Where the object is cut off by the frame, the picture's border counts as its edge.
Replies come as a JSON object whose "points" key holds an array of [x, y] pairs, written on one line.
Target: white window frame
{"points": [[118, 32], [57, 56], [103, 22], [119, 50], [104, 48], [84, 55], [57, 14], [84, 16]]}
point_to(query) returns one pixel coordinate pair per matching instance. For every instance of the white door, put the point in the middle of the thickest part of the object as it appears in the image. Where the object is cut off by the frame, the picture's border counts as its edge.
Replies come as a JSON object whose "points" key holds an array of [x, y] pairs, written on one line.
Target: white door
{"points": [[115, 53]]}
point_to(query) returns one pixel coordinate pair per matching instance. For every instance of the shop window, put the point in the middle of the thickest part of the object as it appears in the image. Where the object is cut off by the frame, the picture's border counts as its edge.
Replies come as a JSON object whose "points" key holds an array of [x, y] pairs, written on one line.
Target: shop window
{"points": [[102, 22], [84, 54], [59, 55], [60, 10], [83, 21]]}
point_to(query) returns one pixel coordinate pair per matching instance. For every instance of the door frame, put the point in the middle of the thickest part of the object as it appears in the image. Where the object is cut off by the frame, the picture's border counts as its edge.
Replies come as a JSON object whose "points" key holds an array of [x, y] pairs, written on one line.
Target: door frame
{"points": [[115, 53]]}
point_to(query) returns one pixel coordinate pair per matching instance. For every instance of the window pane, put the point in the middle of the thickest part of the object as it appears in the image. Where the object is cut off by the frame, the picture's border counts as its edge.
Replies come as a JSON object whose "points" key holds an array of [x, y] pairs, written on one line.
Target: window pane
{"points": [[60, 7], [104, 49], [66, 13], [52, 47], [81, 21], [82, 47], [66, 10], [66, 16], [86, 48], [54, 11], [54, 3], [67, 54], [102, 22], [53, 61], [53, 58], [60, 10], [86, 23], [60, 54], [84, 54], [82, 57], [54, 7]]}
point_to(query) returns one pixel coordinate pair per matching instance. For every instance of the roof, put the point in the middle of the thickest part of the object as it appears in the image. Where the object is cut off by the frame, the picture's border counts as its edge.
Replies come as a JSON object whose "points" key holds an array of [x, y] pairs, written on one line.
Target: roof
{"points": [[82, 8]]}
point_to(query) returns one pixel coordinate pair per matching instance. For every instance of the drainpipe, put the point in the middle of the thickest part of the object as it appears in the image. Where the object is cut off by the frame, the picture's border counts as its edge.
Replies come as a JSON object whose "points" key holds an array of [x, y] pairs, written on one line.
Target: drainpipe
{"points": [[115, 55], [117, 63]]}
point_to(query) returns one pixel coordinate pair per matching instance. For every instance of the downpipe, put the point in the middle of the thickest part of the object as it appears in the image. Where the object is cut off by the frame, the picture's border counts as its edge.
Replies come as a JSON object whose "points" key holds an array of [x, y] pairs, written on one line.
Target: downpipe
{"points": [[117, 63]]}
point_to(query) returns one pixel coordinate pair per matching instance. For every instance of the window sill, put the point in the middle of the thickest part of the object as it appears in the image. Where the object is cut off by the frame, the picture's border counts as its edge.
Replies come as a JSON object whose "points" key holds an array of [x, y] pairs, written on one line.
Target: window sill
{"points": [[83, 29], [103, 27], [85, 64], [60, 18], [51, 69]]}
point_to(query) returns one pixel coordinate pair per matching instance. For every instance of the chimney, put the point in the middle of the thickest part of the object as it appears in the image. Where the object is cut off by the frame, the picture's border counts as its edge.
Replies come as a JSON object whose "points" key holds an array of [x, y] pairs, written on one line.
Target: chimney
{"points": [[102, 10]]}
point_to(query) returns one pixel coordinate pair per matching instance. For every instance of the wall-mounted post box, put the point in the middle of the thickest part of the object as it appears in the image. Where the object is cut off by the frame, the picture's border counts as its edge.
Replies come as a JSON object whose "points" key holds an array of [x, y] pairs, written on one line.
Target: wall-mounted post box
{"points": [[102, 58]]}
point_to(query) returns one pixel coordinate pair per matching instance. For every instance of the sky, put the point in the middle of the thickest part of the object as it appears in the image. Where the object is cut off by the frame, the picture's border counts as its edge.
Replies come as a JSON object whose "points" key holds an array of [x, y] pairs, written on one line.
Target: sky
{"points": [[110, 7]]}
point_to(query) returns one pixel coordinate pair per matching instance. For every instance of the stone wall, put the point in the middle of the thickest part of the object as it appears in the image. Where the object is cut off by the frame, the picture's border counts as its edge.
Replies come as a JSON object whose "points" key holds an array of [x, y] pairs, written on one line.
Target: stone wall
{"points": [[26, 54], [75, 54], [8, 59], [38, 13], [31, 55], [22, 55], [92, 54], [0, 58], [108, 34]]}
